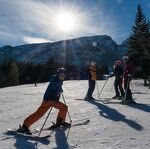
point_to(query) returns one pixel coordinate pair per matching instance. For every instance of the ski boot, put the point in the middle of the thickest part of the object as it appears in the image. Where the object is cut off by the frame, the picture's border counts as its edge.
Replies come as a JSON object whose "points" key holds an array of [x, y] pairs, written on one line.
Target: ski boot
{"points": [[60, 123], [116, 97], [128, 102], [121, 98], [24, 129], [54, 126], [132, 102], [57, 124], [86, 98], [66, 124], [89, 98]]}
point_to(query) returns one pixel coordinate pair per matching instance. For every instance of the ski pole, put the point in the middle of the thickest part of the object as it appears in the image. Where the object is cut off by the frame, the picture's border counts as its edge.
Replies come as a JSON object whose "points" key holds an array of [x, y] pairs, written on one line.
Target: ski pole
{"points": [[66, 104], [103, 88], [97, 88], [45, 121]]}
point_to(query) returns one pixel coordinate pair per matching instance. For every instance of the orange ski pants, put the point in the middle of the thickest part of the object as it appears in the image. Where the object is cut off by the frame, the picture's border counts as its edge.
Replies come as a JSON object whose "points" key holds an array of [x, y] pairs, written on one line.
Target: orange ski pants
{"points": [[63, 109]]}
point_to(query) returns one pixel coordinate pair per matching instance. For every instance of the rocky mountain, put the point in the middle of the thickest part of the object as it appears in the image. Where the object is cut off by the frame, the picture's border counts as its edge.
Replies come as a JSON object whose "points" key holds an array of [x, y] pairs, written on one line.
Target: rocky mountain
{"points": [[123, 47], [78, 51]]}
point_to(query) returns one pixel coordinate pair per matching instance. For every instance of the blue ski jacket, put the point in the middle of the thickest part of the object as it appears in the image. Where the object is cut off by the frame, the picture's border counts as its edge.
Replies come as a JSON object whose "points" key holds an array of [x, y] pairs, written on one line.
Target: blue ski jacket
{"points": [[54, 89]]}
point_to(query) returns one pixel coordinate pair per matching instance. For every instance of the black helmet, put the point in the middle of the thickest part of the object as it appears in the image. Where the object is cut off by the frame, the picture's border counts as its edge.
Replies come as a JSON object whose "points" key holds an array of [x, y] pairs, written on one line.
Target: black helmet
{"points": [[61, 70]]}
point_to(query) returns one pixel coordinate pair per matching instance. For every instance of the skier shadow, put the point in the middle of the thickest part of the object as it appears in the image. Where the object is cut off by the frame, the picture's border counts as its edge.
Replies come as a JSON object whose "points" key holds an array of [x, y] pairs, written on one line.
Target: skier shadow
{"points": [[114, 115], [140, 106], [61, 139], [24, 142]]}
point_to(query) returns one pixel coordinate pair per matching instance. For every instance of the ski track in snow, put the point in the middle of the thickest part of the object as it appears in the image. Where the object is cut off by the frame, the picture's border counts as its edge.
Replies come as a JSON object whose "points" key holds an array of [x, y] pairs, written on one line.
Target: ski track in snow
{"points": [[112, 126]]}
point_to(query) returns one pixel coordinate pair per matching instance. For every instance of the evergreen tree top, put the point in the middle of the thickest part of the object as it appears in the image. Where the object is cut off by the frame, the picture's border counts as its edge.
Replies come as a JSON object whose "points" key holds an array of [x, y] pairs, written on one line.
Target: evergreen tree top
{"points": [[141, 24]]}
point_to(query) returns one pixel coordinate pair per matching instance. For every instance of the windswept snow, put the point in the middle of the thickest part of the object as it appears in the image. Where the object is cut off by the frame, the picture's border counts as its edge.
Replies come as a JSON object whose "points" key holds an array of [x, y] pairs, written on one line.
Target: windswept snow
{"points": [[112, 125]]}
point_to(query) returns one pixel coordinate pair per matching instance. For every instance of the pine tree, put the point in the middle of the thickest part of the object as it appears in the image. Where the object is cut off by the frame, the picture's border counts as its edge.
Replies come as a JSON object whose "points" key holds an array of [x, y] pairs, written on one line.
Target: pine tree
{"points": [[138, 40], [13, 76], [139, 43], [9, 74]]}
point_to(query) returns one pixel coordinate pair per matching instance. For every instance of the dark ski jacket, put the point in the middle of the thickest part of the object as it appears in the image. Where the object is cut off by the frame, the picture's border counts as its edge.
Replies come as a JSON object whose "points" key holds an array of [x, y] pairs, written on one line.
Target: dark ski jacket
{"points": [[54, 89], [118, 72]]}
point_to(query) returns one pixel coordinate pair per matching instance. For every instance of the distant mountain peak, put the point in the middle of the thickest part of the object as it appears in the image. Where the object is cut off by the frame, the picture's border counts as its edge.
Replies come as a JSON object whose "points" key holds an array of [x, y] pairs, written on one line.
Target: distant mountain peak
{"points": [[78, 51]]}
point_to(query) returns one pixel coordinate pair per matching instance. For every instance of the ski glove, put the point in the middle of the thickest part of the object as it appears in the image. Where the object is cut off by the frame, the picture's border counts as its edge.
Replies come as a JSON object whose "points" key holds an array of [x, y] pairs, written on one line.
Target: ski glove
{"points": [[130, 77]]}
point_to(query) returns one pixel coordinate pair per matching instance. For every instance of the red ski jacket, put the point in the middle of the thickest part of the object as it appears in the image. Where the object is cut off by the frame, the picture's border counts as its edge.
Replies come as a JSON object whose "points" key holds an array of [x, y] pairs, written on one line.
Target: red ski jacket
{"points": [[128, 70]]}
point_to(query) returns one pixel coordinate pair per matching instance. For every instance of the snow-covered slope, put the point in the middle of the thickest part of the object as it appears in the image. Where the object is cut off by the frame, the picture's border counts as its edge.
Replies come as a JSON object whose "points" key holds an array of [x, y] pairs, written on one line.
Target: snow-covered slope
{"points": [[112, 126]]}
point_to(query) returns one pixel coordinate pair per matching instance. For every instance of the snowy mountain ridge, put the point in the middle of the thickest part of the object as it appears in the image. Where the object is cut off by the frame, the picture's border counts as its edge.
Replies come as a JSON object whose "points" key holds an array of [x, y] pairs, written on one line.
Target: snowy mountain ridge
{"points": [[100, 48]]}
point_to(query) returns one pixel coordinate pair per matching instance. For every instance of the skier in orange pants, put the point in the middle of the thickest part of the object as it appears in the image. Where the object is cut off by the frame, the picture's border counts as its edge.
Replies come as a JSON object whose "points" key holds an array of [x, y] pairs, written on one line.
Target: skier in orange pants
{"points": [[51, 99]]}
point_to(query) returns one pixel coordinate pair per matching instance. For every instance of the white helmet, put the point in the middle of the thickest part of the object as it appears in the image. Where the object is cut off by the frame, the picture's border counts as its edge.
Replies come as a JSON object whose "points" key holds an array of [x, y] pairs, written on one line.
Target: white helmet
{"points": [[125, 58], [93, 63]]}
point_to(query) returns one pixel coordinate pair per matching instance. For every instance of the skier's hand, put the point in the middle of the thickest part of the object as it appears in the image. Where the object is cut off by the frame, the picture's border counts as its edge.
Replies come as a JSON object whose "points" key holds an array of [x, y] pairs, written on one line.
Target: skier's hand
{"points": [[130, 77], [109, 76]]}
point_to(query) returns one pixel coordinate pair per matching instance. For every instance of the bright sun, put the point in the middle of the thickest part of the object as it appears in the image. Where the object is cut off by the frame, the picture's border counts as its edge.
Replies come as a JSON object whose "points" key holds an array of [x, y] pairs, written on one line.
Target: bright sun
{"points": [[65, 22]]}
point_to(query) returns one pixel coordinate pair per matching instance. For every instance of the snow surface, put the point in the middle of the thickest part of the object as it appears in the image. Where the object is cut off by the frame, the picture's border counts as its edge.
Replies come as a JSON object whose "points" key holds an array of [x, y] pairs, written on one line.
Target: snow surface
{"points": [[112, 125]]}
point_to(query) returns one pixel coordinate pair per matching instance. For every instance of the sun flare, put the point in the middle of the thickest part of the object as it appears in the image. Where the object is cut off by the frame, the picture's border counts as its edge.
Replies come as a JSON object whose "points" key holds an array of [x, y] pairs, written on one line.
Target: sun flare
{"points": [[66, 22]]}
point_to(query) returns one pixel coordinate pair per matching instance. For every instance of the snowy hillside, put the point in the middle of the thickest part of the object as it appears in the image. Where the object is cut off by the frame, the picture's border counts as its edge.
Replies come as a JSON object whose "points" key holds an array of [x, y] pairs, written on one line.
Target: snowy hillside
{"points": [[100, 48], [112, 125]]}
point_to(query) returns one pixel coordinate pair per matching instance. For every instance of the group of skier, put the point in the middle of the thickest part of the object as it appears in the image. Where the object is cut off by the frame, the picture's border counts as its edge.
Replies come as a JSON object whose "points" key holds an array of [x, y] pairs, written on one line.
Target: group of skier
{"points": [[123, 72], [54, 91]]}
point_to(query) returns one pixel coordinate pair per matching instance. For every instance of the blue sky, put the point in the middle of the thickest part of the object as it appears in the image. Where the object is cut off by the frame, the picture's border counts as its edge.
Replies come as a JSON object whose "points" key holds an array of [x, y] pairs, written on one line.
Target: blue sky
{"points": [[31, 21]]}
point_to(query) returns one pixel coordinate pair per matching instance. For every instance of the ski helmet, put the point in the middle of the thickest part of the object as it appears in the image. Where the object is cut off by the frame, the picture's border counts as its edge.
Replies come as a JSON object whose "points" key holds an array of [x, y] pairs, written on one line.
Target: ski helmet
{"points": [[125, 58], [93, 63], [61, 70]]}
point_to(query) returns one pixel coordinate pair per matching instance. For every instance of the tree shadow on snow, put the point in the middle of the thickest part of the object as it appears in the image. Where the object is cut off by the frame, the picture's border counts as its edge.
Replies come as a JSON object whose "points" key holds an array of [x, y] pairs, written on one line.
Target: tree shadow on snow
{"points": [[140, 106], [114, 115], [24, 142]]}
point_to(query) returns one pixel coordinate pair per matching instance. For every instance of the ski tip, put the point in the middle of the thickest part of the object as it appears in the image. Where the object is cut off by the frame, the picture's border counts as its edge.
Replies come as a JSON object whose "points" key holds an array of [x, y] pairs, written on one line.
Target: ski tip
{"points": [[48, 136], [87, 121]]}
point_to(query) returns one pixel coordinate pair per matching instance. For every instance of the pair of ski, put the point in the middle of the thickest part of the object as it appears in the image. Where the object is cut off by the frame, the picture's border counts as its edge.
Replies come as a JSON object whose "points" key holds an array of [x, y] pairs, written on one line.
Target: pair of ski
{"points": [[36, 131], [110, 101], [103, 100]]}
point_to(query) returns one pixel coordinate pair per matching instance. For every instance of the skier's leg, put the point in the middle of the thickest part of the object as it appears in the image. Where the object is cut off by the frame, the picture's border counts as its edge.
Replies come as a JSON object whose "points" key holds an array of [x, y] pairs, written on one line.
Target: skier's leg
{"points": [[129, 93], [116, 88], [91, 88], [125, 88], [38, 114], [121, 88], [63, 109]]}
